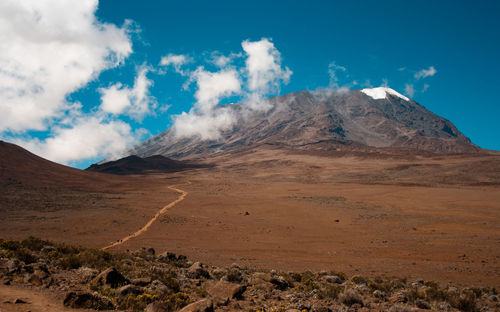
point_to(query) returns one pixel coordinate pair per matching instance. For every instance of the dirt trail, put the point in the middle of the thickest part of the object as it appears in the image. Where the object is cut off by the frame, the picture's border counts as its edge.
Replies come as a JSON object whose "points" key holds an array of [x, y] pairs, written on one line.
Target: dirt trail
{"points": [[156, 216]]}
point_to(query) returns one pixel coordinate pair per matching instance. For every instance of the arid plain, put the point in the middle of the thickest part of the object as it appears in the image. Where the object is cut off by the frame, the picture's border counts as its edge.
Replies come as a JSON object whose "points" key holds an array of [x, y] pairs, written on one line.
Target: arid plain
{"points": [[383, 213]]}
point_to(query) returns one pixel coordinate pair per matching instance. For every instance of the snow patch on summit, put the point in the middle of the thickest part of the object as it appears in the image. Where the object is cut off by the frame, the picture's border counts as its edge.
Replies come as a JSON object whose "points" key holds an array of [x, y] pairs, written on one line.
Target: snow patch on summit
{"points": [[381, 93]]}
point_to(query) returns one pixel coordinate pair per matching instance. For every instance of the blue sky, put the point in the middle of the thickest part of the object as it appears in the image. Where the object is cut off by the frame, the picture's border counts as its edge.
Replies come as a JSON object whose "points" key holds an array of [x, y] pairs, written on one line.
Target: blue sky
{"points": [[456, 43]]}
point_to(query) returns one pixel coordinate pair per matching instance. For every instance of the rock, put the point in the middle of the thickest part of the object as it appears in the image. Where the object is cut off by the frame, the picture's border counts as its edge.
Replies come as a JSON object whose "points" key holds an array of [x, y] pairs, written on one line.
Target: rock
{"points": [[443, 306], [223, 292], [333, 279], [129, 289], [157, 307], [110, 278], [167, 256], [47, 249], [422, 304], [9, 266], [33, 279], [150, 251], [20, 301], [142, 281], [204, 305], [280, 282], [197, 271], [85, 300], [86, 274]]}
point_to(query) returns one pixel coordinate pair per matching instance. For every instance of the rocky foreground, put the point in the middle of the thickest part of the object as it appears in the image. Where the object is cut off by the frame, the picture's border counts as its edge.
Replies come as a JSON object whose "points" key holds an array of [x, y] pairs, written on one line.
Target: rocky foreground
{"points": [[145, 281]]}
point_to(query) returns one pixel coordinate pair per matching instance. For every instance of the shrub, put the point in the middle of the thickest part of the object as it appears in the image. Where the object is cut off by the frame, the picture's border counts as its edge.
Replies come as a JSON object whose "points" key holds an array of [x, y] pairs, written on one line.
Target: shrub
{"points": [[351, 297]]}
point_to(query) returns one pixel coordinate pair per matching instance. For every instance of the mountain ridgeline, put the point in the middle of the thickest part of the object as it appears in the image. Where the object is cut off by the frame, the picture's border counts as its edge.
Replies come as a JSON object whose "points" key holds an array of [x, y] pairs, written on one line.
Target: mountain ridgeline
{"points": [[327, 120]]}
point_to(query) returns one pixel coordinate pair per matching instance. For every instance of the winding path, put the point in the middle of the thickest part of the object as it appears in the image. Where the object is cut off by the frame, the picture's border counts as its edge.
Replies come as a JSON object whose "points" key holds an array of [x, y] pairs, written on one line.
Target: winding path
{"points": [[156, 216]]}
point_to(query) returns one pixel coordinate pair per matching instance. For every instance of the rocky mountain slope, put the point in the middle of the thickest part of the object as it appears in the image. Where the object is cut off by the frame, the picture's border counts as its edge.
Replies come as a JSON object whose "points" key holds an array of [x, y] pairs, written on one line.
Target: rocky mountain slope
{"points": [[332, 120]]}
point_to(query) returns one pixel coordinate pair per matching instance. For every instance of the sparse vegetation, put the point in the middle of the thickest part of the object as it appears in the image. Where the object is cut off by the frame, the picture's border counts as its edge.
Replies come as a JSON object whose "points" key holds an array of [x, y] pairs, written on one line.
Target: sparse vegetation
{"points": [[164, 280]]}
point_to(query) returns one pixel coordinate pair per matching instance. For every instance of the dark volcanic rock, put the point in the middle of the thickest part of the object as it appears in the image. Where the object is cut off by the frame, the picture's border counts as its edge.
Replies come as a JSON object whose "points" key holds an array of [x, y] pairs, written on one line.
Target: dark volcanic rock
{"points": [[110, 278]]}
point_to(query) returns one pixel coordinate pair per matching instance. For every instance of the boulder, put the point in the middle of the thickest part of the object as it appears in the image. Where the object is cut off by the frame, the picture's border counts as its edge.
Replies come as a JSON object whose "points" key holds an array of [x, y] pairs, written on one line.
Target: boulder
{"points": [[157, 307], [85, 300], [280, 282], [129, 289], [109, 278], [197, 271], [204, 305], [332, 279], [142, 281], [223, 292]]}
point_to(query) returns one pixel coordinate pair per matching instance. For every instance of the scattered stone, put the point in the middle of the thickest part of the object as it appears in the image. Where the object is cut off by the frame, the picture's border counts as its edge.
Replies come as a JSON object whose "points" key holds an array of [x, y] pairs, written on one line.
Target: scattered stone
{"points": [[204, 305], [223, 292], [85, 300], [110, 278], [247, 213], [20, 301]]}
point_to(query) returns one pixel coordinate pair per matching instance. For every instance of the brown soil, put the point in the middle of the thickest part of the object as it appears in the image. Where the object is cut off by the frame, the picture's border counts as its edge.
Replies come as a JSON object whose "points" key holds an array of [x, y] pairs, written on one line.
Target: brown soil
{"points": [[432, 217]]}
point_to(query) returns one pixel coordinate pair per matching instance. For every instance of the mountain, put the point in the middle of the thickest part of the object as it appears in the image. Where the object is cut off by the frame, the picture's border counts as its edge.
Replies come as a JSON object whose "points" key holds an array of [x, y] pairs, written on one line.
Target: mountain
{"points": [[331, 120], [135, 165]]}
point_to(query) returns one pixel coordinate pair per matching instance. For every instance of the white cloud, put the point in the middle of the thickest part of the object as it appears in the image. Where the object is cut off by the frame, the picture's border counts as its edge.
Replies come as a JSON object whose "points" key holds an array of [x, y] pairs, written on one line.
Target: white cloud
{"points": [[89, 137], [426, 86], [332, 72], [409, 90], [49, 49], [206, 126], [175, 60], [263, 67], [213, 86], [263, 72], [425, 73], [135, 102]]}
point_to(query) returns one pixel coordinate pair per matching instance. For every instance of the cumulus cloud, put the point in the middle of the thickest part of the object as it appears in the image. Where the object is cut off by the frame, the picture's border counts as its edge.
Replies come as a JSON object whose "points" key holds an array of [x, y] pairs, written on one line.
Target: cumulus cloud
{"points": [[213, 86], [88, 137], [262, 75], [431, 71], [49, 49], [409, 90], [135, 102], [205, 119], [264, 71], [206, 126]]}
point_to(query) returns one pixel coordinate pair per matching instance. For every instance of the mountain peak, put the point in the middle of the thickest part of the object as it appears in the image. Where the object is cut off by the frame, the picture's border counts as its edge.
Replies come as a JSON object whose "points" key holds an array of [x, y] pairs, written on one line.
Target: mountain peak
{"points": [[381, 93]]}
